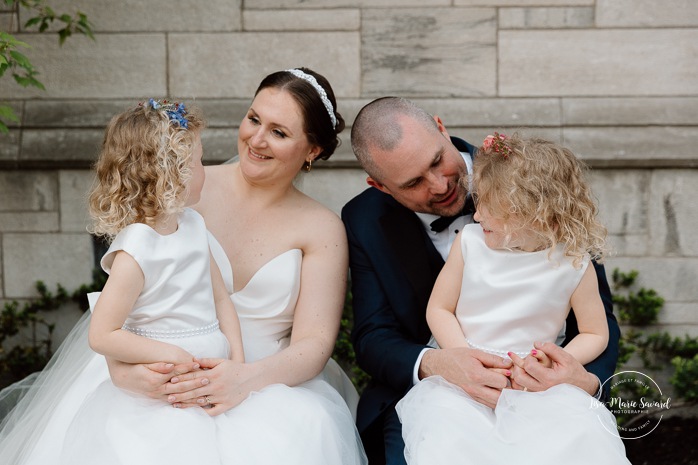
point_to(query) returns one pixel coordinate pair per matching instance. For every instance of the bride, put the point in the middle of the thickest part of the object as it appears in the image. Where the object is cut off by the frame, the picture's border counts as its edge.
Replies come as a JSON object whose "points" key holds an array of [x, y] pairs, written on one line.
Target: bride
{"points": [[284, 259]]}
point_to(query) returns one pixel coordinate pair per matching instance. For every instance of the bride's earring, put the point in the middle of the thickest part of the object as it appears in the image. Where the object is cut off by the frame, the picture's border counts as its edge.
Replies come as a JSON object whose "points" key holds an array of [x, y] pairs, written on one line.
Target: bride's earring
{"points": [[308, 165]]}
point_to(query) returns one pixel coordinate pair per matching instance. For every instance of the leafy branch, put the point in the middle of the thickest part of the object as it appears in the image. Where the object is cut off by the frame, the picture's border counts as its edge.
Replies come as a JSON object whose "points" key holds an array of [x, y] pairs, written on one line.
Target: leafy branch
{"points": [[15, 63]]}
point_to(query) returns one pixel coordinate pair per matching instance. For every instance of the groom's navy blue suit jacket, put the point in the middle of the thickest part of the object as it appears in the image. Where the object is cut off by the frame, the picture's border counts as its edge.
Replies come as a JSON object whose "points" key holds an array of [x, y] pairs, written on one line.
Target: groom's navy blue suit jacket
{"points": [[394, 266]]}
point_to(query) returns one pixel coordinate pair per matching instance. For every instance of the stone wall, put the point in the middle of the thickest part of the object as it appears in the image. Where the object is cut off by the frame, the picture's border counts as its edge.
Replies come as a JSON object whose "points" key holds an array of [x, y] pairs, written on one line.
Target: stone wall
{"points": [[615, 80]]}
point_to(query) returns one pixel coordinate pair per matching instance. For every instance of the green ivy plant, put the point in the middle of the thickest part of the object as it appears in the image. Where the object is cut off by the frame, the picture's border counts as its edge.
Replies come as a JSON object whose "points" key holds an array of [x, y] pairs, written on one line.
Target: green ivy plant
{"points": [[20, 357], [685, 378], [13, 62], [640, 308], [23, 359]]}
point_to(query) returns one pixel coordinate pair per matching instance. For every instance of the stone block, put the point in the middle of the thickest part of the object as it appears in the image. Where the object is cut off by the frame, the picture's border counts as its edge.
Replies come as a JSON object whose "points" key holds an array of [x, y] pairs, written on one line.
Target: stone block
{"points": [[475, 135], [652, 146], [72, 113], [342, 156], [31, 191], [235, 64], [493, 113], [611, 111], [341, 19], [501, 3], [572, 62], [219, 145], [412, 52], [546, 18], [679, 314], [628, 245], [333, 188], [673, 221], [61, 147], [97, 113], [223, 113], [8, 22], [52, 258], [157, 15], [111, 66], [349, 108], [9, 147], [673, 278], [28, 221], [646, 13], [74, 188], [624, 200], [329, 4]]}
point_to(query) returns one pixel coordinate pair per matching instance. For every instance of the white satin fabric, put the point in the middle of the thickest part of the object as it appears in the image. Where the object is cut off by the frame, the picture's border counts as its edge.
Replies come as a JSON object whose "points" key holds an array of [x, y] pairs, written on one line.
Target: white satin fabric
{"points": [[74, 415], [508, 300]]}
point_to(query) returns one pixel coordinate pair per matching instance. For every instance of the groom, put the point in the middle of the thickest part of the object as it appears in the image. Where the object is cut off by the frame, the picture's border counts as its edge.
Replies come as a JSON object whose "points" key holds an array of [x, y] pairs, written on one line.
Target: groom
{"points": [[400, 231]]}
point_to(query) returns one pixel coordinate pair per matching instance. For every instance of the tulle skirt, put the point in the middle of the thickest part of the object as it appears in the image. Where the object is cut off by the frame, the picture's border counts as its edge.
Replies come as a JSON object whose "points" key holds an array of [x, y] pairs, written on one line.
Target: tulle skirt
{"points": [[72, 414], [441, 424]]}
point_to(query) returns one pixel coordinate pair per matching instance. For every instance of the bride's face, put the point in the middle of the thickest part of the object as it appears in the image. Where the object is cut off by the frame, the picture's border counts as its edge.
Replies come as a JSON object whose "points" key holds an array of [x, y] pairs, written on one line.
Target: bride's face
{"points": [[271, 139]]}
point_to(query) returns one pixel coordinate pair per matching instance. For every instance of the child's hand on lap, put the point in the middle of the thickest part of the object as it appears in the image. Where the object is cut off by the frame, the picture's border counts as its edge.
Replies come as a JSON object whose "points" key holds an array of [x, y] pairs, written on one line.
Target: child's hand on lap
{"points": [[541, 357]]}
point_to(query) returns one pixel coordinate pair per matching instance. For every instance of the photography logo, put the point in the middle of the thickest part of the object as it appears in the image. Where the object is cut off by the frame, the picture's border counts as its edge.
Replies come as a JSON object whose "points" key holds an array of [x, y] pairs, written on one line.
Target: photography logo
{"points": [[637, 403]]}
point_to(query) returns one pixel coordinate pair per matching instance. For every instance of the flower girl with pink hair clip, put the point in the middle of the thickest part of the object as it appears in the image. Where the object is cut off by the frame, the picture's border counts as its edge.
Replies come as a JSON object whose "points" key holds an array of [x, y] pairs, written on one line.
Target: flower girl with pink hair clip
{"points": [[510, 281]]}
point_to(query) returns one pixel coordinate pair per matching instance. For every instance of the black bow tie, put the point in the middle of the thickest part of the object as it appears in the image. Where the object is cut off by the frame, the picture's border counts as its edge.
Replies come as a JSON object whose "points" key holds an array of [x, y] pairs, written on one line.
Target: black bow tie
{"points": [[444, 222]]}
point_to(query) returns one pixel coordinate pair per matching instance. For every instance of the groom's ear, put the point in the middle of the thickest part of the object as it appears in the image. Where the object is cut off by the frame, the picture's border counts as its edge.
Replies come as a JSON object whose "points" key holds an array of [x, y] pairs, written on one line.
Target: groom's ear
{"points": [[373, 183], [441, 126]]}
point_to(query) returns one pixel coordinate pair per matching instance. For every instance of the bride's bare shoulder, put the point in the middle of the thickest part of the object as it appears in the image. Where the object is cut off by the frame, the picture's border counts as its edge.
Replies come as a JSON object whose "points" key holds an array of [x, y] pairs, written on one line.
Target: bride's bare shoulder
{"points": [[218, 179], [316, 215]]}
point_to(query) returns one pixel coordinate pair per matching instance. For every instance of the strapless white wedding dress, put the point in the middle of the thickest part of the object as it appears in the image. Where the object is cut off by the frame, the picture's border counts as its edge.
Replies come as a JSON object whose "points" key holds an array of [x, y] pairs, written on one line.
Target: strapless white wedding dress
{"points": [[74, 415]]}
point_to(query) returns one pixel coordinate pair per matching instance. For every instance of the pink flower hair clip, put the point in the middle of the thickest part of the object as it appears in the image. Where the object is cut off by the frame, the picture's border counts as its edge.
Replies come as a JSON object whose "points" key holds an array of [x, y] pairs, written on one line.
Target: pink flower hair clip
{"points": [[496, 144]]}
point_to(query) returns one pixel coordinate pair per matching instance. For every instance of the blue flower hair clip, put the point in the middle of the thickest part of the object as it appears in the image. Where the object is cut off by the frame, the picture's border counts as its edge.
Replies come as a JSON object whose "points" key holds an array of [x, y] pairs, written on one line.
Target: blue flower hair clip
{"points": [[174, 110]]}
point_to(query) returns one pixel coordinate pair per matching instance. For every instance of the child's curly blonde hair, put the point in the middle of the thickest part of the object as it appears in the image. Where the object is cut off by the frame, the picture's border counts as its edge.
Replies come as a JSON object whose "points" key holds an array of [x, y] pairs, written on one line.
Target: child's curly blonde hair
{"points": [[143, 168], [542, 187]]}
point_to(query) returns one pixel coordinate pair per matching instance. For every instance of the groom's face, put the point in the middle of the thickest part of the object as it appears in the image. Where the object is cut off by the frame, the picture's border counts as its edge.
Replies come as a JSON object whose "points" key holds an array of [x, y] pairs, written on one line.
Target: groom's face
{"points": [[423, 171]]}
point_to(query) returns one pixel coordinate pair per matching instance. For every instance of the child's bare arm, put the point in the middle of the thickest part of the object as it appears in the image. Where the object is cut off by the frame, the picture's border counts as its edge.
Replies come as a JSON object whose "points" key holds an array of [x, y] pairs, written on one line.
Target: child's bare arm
{"points": [[106, 337], [591, 320], [442, 303], [227, 316]]}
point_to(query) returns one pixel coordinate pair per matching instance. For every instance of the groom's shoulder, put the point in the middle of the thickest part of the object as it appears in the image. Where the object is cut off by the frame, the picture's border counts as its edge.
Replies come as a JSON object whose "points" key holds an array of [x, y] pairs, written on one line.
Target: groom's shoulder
{"points": [[370, 202]]}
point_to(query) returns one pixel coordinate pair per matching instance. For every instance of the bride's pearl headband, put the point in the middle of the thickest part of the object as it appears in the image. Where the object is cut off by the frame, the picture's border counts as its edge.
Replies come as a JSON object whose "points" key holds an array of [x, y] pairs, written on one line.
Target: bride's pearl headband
{"points": [[323, 95]]}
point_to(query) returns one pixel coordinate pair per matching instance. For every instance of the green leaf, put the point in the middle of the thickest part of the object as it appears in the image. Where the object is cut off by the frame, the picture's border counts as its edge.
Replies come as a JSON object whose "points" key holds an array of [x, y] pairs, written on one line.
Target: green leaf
{"points": [[11, 41], [7, 113], [36, 83], [3, 128], [63, 34], [32, 22], [3, 60], [66, 18], [21, 80], [21, 59]]}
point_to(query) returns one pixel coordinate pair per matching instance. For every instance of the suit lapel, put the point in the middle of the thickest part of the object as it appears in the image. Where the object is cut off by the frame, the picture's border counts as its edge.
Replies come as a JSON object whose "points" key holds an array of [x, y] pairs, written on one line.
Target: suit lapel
{"points": [[416, 254]]}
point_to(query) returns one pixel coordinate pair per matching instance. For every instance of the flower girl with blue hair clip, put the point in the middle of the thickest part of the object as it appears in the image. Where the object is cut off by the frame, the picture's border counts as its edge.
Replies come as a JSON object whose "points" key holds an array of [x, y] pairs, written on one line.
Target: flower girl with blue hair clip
{"points": [[164, 300]]}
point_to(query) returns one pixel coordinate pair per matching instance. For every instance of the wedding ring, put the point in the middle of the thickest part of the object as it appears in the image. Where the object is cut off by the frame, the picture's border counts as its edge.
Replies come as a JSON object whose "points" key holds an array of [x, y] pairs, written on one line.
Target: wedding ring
{"points": [[524, 390], [208, 400]]}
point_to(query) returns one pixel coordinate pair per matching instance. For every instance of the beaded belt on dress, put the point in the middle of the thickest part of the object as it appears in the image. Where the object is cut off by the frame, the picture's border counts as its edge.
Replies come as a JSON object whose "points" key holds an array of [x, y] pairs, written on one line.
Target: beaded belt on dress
{"points": [[489, 350], [164, 333]]}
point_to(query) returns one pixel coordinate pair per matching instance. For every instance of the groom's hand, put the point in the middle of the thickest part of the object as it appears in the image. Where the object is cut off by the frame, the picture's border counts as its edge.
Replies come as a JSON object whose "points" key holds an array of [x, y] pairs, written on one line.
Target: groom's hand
{"points": [[470, 369], [529, 373]]}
